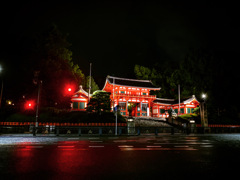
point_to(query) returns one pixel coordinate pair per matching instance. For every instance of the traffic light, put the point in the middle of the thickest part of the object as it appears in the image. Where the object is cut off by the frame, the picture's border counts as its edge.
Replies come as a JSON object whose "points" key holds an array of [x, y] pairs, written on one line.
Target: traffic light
{"points": [[29, 105], [69, 89]]}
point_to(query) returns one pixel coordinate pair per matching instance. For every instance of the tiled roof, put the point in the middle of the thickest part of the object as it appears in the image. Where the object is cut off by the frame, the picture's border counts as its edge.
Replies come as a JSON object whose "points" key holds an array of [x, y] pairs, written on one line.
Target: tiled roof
{"points": [[165, 101], [131, 82], [81, 90], [174, 101]]}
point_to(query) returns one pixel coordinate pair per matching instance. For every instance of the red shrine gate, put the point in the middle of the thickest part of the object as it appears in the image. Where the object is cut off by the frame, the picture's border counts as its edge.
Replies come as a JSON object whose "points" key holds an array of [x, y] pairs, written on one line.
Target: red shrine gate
{"points": [[134, 99], [132, 96]]}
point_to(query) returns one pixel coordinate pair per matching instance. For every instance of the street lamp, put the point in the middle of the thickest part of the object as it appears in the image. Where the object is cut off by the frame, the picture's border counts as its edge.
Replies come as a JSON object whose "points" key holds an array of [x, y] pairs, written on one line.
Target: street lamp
{"points": [[203, 111], [204, 96]]}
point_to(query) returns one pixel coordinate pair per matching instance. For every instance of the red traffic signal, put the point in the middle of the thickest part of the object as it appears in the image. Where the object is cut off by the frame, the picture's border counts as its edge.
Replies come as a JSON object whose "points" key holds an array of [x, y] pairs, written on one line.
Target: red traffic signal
{"points": [[69, 89], [29, 105]]}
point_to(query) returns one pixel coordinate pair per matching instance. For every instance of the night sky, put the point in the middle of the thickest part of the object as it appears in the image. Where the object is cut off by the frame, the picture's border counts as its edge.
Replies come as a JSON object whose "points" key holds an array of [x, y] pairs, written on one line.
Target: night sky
{"points": [[116, 35]]}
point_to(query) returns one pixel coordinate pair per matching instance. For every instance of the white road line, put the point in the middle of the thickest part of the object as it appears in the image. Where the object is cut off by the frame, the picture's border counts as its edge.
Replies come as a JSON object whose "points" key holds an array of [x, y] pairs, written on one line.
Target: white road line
{"points": [[125, 146], [73, 138], [96, 146], [66, 146], [94, 138], [33, 147], [181, 146], [206, 146], [153, 146], [158, 149], [120, 141], [184, 143]]}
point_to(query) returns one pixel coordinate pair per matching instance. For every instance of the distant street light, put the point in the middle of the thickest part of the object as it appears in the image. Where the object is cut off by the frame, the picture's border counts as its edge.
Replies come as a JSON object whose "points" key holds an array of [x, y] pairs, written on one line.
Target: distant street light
{"points": [[203, 111], [204, 96]]}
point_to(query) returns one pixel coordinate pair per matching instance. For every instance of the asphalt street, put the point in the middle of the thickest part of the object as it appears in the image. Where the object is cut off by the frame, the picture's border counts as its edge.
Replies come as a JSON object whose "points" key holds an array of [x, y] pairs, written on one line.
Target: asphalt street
{"points": [[133, 157]]}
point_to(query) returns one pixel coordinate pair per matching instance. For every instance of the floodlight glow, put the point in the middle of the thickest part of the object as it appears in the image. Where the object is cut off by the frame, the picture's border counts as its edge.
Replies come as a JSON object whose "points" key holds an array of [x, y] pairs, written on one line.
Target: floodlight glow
{"points": [[29, 105], [204, 96]]}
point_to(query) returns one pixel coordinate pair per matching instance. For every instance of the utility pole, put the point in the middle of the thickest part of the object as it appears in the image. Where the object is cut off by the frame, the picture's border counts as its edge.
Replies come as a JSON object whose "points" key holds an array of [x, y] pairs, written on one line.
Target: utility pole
{"points": [[37, 108], [114, 108], [113, 91], [1, 94], [1, 69], [90, 77], [178, 99]]}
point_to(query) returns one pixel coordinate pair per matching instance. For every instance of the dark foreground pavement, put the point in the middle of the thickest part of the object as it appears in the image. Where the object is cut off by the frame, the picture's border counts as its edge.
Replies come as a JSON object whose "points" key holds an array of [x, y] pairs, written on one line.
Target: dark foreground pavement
{"points": [[161, 157]]}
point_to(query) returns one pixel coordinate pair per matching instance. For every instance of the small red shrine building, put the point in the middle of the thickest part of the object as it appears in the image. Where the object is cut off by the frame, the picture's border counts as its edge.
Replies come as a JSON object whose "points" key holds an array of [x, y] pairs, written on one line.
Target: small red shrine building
{"points": [[80, 100], [133, 99], [161, 106]]}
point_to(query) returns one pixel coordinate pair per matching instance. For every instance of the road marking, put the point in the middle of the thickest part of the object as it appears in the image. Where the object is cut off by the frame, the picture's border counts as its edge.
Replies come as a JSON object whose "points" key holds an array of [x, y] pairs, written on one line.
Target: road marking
{"points": [[96, 146], [29, 147], [66, 146], [94, 138], [95, 141], [73, 138], [117, 141], [125, 146], [69, 142], [206, 146], [191, 143], [154, 146], [158, 149], [181, 146]]}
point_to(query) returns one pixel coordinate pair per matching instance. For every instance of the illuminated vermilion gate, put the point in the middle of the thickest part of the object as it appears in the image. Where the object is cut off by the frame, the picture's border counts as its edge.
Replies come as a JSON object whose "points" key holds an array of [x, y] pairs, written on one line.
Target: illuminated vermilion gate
{"points": [[131, 95], [133, 99]]}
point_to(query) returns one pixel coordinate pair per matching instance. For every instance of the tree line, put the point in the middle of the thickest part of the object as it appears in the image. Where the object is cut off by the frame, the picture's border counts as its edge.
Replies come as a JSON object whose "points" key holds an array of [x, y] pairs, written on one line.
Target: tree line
{"points": [[47, 58], [202, 71]]}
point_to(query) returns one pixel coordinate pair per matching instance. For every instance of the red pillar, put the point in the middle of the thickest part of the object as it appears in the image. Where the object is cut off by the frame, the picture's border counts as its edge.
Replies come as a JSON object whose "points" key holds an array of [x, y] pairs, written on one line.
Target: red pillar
{"points": [[150, 113]]}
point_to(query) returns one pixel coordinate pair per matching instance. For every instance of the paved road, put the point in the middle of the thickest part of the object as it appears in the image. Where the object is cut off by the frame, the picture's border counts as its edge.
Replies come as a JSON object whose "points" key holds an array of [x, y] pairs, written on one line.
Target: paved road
{"points": [[161, 157]]}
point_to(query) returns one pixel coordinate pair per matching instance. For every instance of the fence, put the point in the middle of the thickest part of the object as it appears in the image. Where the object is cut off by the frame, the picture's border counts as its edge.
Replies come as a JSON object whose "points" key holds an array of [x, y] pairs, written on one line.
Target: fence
{"points": [[58, 124], [88, 130], [109, 129]]}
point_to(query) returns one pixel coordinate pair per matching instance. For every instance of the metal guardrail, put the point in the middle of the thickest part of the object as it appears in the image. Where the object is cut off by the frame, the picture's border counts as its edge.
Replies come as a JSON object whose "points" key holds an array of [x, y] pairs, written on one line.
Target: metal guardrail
{"points": [[83, 131], [79, 131], [111, 130]]}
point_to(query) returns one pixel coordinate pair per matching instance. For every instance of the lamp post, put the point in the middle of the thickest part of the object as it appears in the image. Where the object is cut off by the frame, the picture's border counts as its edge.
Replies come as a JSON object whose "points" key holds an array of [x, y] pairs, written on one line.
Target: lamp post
{"points": [[203, 112]]}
